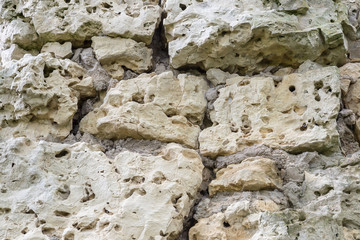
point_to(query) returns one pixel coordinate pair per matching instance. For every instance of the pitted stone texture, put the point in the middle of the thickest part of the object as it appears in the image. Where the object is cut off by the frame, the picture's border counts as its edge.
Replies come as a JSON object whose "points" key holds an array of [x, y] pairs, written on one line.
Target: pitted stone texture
{"points": [[86, 58], [252, 174], [123, 52], [351, 72], [160, 107], [285, 225], [17, 31], [297, 114], [273, 200], [323, 194], [351, 81], [58, 50], [39, 96], [14, 52], [78, 21], [61, 191], [249, 35]]}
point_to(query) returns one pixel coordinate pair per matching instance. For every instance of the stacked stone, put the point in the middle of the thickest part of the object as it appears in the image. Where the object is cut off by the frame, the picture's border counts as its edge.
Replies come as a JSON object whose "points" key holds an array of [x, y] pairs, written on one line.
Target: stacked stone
{"points": [[182, 119]]}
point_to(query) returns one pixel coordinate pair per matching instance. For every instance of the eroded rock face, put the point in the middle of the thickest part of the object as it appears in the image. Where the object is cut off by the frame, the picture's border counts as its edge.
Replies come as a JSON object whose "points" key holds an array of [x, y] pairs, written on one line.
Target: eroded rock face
{"points": [[51, 190], [77, 21], [160, 107], [122, 52], [236, 129], [350, 74], [322, 192], [58, 50], [297, 114], [39, 96], [247, 36], [252, 174]]}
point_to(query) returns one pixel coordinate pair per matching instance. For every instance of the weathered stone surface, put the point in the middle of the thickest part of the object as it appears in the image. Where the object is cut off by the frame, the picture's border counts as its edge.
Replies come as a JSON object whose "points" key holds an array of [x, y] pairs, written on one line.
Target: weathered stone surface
{"points": [[279, 161], [351, 71], [115, 71], [273, 226], [62, 191], [345, 123], [297, 114], [39, 96], [123, 52], [323, 192], [14, 52], [351, 81], [160, 107], [58, 50], [247, 36], [18, 31], [77, 21], [217, 77], [86, 58], [252, 174], [253, 200]]}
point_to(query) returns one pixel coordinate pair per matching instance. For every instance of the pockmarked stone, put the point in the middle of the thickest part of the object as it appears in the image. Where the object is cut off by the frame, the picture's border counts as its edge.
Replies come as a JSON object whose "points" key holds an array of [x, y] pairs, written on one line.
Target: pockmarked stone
{"points": [[253, 174], [161, 107], [123, 52], [247, 36], [297, 114], [62, 191], [40, 95], [33, 23]]}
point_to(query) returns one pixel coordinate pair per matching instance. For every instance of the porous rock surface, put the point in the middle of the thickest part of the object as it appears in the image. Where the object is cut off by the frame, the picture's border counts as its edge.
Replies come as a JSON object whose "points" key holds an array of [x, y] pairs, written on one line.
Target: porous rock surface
{"points": [[322, 190], [39, 96], [188, 119], [299, 113], [252, 174], [122, 52], [162, 107], [61, 191], [242, 35], [30, 22]]}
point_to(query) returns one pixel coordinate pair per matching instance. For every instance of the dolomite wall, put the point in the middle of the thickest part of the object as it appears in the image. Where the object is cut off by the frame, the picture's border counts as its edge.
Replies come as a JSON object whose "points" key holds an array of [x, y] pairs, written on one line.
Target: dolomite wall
{"points": [[180, 120]]}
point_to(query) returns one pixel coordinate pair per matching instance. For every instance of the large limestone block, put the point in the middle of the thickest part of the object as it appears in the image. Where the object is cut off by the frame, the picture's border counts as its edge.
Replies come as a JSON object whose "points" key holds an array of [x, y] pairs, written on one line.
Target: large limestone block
{"points": [[61, 191], [77, 21], [39, 96], [250, 35], [123, 52], [297, 114], [160, 107], [253, 174]]}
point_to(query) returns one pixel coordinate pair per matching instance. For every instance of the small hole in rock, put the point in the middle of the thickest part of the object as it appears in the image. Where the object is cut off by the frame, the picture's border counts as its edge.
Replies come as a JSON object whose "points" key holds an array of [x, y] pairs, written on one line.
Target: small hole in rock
{"points": [[292, 88], [182, 6], [47, 71], [62, 153], [106, 5], [61, 213], [25, 230], [303, 127], [226, 224]]}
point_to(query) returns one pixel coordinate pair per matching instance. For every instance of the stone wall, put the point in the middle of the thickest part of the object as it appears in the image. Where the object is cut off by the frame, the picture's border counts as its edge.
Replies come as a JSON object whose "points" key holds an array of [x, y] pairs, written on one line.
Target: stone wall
{"points": [[200, 120]]}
